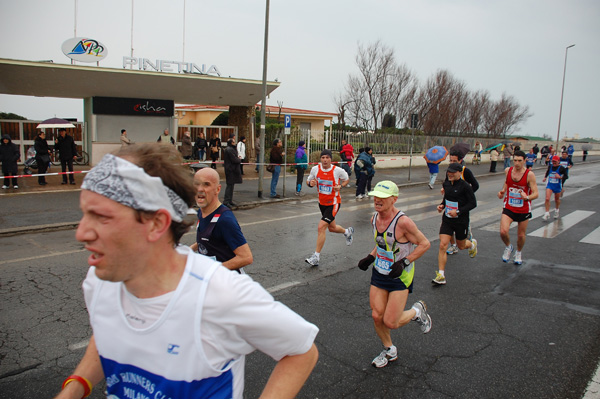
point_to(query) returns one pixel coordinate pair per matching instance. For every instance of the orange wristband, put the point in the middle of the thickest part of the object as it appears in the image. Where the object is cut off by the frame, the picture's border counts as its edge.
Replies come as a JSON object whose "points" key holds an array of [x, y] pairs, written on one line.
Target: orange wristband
{"points": [[87, 385]]}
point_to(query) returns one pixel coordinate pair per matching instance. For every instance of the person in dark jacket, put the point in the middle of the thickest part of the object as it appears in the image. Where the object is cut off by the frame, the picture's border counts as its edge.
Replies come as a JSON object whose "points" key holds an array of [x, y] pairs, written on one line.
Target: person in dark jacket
{"points": [[458, 201], [215, 146], [363, 168], [9, 156], [42, 156], [233, 174], [200, 146], [67, 151], [277, 159]]}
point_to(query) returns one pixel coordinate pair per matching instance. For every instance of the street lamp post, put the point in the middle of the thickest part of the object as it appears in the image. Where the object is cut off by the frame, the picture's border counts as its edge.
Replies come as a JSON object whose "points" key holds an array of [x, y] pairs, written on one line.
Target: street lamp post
{"points": [[561, 96], [263, 106]]}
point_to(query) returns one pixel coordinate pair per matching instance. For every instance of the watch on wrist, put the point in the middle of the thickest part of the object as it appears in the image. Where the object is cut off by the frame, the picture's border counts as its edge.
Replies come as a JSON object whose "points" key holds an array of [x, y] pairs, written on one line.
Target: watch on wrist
{"points": [[406, 262]]}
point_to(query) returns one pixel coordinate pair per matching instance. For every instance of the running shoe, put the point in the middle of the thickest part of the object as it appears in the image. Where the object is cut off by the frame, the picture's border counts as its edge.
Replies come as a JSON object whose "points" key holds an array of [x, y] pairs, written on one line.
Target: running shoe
{"points": [[5, 186], [439, 279], [430, 186], [424, 320], [360, 196], [452, 249], [556, 214], [518, 260], [15, 187], [313, 260], [546, 216], [350, 236], [387, 355], [473, 249], [507, 252]]}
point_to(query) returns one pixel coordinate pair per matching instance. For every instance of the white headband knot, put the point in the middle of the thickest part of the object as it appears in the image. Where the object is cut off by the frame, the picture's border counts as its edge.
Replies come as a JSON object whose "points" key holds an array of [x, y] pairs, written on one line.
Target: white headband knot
{"points": [[128, 184]]}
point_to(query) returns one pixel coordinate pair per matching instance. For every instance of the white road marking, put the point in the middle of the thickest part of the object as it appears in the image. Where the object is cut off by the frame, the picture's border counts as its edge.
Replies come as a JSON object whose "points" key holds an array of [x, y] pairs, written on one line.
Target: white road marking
{"points": [[283, 286], [592, 238], [560, 225], [79, 345], [4, 262]]}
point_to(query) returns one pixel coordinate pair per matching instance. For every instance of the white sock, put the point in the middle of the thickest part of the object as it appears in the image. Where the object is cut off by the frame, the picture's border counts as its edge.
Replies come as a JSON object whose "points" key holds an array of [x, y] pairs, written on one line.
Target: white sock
{"points": [[441, 272], [417, 314], [346, 232], [318, 255]]}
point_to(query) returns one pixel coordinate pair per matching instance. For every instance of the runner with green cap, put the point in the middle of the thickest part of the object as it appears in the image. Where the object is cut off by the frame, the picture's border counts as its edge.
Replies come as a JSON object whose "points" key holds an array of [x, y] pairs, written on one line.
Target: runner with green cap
{"points": [[398, 243]]}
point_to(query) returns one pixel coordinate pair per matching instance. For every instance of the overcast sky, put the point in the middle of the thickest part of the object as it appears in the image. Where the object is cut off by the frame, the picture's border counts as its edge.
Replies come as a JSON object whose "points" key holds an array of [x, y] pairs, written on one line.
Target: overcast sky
{"points": [[511, 46]]}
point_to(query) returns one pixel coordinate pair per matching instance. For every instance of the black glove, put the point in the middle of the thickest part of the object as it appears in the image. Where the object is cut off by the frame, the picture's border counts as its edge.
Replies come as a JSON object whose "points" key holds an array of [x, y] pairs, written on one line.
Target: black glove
{"points": [[364, 263], [398, 267]]}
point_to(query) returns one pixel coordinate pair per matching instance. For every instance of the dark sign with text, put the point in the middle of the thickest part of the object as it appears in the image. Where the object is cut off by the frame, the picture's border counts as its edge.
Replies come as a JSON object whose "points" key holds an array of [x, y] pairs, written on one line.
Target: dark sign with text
{"points": [[132, 106]]}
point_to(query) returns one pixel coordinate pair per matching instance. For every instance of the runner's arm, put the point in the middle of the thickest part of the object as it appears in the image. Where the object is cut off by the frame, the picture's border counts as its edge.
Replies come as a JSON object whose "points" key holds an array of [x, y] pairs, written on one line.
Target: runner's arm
{"points": [[90, 368], [504, 186], [407, 228], [290, 374], [243, 257], [532, 186]]}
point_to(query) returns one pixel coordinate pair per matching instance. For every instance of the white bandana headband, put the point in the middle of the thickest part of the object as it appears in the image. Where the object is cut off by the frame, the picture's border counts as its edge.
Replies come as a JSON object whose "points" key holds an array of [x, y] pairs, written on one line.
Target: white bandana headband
{"points": [[128, 184]]}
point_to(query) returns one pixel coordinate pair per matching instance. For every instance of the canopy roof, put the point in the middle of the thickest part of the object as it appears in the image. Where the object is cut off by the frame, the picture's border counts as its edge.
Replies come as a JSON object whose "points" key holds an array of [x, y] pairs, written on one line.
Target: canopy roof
{"points": [[46, 79]]}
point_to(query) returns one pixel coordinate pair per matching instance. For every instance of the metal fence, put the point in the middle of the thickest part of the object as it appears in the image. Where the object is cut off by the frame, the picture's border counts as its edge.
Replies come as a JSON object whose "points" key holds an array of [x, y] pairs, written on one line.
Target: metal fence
{"points": [[381, 143]]}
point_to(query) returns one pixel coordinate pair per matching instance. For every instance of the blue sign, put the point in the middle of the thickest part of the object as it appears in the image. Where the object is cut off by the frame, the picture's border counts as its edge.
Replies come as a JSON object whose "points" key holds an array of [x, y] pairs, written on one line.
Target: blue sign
{"points": [[288, 121]]}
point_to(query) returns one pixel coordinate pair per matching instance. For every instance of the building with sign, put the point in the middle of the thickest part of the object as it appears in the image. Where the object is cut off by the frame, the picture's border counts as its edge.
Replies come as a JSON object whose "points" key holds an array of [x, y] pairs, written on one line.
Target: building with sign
{"points": [[140, 101], [301, 118]]}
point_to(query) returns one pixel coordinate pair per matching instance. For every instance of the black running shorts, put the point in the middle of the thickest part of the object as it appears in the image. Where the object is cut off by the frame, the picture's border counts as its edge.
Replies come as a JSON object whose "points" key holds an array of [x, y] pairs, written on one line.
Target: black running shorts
{"points": [[458, 227]]}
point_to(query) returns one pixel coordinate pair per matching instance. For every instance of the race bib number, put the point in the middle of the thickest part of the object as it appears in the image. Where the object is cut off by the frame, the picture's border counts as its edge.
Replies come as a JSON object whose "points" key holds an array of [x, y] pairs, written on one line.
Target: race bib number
{"points": [[384, 261], [325, 186], [554, 178], [451, 205], [514, 198]]}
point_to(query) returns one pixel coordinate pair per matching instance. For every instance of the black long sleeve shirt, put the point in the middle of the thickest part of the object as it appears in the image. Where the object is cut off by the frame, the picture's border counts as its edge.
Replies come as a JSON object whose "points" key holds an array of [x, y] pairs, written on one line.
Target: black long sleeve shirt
{"points": [[461, 192]]}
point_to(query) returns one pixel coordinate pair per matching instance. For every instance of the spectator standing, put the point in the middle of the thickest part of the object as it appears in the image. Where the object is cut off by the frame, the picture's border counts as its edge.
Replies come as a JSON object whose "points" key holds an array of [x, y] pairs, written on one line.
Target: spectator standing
{"points": [[544, 154], [233, 175], [585, 154], [42, 156], [346, 156], [536, 150], [215, 146], [207, 318], [507, 152], [363, 169], [494, 154], [570, 151], [9, 156], [186, 148], [241, 149], [166, 138], [301, 160], [277, 159], [67, 152], [370, 177], [218, 233], [125, 141], [200, 146]]}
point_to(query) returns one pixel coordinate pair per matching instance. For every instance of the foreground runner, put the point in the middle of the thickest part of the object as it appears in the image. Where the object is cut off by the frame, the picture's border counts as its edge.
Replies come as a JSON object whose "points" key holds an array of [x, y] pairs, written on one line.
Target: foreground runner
{"points": [[393, 270], [457, 202], [520, 189], [167, 322], [329, 179]]}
